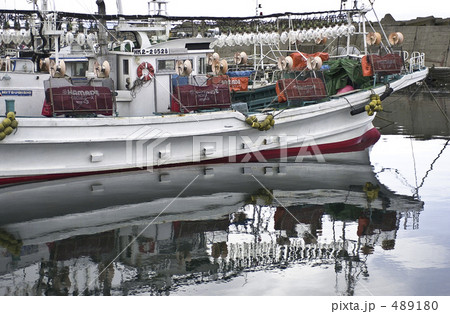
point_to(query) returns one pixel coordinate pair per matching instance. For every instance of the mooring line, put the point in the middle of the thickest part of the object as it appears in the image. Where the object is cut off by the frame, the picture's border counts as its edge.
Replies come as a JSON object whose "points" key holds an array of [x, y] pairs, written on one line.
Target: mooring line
{"points": [[437, 103]]}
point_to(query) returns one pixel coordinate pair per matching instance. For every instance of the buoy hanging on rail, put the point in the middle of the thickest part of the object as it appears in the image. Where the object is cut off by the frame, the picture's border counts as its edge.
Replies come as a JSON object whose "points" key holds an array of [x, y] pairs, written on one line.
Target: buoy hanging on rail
{"points": [[240, 58], [396, 38], [212, 57], [220, 67], [314, 63], [264, 125], [57, 69], [103, 70], [373, 38], [374, 105], [281, 63], [8, 125], [184, 68], [289, 62], [285, 63], [223, 66]]}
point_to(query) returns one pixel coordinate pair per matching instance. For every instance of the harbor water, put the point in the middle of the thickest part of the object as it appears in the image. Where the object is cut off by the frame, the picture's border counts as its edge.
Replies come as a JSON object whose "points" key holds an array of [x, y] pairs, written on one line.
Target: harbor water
{"points": [[367, 223]]}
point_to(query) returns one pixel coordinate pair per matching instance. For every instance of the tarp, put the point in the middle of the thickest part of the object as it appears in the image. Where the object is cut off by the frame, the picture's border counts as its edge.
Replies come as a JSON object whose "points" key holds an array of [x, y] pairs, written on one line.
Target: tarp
{"points": [[188, 98], [239, 73], [300, 61], [344, 72], [78, 100], [236, 84], [179, 80]]}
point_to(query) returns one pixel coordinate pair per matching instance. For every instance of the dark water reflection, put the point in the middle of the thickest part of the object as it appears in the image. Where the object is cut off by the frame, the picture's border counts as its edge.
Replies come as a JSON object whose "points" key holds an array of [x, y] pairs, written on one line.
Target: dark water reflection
{"points": [[416, 112], [345, 227]]}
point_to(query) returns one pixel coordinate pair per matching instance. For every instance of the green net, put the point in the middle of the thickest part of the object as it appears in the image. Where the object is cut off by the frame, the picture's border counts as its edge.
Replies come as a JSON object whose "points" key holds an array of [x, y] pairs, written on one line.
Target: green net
{"points": [[344, 72]]}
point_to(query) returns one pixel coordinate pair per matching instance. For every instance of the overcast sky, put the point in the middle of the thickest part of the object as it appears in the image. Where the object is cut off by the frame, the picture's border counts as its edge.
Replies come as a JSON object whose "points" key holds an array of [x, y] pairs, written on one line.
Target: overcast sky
{"points": [[400, 9]]}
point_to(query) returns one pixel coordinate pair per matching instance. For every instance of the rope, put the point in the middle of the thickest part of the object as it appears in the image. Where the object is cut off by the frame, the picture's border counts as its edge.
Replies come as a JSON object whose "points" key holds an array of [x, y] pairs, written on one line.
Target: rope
{"points": [[414, 165], [418, 186], [384, 119]]}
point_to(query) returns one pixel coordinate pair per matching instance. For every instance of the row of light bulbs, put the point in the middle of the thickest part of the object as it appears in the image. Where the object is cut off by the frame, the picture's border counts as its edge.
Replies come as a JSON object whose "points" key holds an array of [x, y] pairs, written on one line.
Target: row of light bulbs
{"points": [[80, 38], [274, 38], [18, 37]]}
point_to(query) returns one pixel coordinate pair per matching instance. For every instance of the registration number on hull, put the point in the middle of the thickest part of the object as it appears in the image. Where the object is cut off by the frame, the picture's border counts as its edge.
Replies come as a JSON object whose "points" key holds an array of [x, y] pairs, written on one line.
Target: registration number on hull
{"points": [[151, 51]]}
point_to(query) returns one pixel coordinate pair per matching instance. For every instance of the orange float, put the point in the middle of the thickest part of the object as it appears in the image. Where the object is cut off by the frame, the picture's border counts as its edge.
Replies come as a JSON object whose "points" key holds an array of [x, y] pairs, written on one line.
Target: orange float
{"points": [[300, 59], [366, 66]]}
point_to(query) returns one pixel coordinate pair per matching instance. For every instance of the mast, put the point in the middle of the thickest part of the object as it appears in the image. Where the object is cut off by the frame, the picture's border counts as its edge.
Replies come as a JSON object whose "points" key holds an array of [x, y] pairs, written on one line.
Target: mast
{"points": [[258, 6], [44, 5], [102, 34], [119, 7]]}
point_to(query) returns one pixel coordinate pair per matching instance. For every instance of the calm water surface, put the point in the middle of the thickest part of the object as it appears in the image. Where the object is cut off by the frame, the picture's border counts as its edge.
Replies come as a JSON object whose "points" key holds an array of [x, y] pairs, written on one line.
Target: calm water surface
{"points": [[364, 223]]}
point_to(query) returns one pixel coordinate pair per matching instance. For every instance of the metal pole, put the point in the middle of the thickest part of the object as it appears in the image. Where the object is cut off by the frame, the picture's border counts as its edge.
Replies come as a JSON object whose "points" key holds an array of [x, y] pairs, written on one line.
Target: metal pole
{"points": [[349, 20], [254, 44], [363, 22]]}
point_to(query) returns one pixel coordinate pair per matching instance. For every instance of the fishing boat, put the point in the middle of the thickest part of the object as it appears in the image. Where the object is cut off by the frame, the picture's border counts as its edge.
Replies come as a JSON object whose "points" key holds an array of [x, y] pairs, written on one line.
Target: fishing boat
{"points": [[103, 93]]}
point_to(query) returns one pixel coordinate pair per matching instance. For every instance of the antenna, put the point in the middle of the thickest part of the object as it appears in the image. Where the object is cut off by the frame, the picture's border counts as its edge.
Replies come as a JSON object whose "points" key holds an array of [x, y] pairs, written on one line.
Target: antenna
{"points": [[119, 7], [258, 6], [157, 7]]}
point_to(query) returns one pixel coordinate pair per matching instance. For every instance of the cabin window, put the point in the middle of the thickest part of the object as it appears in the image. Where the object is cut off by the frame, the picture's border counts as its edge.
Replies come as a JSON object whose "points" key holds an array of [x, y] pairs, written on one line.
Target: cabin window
{"points": [[201, 65], [126, 68], [79, 68], [167, 65]]}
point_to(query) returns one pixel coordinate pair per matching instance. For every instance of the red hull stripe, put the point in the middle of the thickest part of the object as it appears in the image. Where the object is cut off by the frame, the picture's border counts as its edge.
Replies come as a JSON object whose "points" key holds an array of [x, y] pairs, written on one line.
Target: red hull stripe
{"points": [[356, 144]]}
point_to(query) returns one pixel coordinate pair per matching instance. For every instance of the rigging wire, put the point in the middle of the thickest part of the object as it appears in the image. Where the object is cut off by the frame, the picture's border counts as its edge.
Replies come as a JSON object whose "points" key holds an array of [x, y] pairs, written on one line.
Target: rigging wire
{"points": [[437, 103], [414, 166], [416, 189], [97, 18], [432, 164]]}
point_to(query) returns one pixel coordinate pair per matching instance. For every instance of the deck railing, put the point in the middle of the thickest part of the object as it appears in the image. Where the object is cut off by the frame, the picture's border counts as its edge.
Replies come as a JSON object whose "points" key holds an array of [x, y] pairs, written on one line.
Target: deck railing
{"points": [[417, 61]]}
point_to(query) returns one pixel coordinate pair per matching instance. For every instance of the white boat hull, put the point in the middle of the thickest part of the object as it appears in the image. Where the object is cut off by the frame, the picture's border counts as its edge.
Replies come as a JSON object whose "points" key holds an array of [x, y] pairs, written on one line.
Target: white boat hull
{"points": [[46, 147]]}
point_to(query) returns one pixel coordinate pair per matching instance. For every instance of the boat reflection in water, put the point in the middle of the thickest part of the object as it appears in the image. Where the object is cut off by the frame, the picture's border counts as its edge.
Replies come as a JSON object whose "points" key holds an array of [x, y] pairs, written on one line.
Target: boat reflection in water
{"points": [[168, 230]]}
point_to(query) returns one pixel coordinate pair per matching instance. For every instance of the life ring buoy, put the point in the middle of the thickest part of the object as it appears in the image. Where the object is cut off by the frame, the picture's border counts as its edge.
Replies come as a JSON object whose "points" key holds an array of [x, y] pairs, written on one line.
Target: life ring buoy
{"points": [[145, 71], [366, 66]]}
